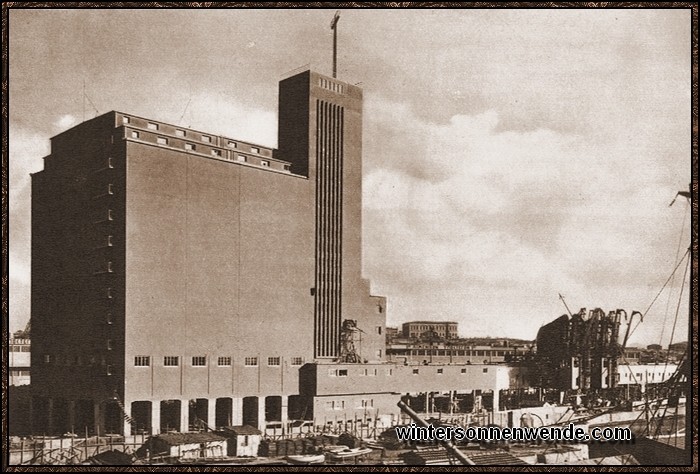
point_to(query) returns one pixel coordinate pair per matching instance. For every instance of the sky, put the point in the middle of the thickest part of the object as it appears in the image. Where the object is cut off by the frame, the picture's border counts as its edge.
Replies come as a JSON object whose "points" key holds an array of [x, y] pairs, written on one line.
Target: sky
{"points": [[509, 156]]}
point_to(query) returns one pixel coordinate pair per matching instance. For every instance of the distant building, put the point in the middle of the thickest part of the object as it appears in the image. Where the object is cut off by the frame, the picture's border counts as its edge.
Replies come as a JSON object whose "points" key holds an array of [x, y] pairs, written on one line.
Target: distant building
{"points": [[449, 352], [391, 333], [19, 361], [426, 329]]}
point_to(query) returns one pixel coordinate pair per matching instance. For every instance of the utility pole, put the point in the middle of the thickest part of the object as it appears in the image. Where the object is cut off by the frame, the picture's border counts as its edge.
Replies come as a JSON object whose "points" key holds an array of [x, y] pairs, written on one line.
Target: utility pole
{"points": [[334, 27]]}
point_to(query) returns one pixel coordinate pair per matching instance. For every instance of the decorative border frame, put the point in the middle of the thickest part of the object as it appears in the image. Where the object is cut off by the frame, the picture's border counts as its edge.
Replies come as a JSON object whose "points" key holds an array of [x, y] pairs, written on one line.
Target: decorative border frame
{"points": [[6, 6]]}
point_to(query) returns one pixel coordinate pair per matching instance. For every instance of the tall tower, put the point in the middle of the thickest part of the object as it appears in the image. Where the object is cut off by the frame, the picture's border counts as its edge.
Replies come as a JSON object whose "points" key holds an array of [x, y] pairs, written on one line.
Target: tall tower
{"points": [[320, 134]]}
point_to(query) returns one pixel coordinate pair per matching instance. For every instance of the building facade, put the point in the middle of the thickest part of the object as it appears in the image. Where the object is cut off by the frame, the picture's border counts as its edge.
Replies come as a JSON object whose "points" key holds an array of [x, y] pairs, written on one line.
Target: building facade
{"points": [[428, 329], [19, 363], [180, 277]]}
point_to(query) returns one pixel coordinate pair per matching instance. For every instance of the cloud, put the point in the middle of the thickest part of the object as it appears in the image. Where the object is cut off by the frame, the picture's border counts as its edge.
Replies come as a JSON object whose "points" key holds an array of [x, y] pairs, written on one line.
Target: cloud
{"points": [[66, 121], [26, 148], [468, 221]]}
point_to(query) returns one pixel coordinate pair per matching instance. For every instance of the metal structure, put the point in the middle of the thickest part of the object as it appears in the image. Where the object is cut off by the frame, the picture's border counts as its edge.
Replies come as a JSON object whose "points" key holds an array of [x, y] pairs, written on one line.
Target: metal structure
{"points": [[587, 340], [451, 448], [349, 334], [334, 27]]}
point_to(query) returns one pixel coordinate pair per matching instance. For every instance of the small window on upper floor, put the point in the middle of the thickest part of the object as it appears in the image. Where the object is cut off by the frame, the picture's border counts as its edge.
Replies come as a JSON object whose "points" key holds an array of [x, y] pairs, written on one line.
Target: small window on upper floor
{"points": [[142, 361], [254, 149], [251, 361], [199, 361], [486, 370], [216, 152], [135, 134], [264, 163], [162, 141], [242, 158], [190, 146], [171, 361], [206, 139], [152, 126], [415, 371], [297, 361], [273, 361], [224, 361], [439, 371], [126, 119], [180, 133], [231, 144]]}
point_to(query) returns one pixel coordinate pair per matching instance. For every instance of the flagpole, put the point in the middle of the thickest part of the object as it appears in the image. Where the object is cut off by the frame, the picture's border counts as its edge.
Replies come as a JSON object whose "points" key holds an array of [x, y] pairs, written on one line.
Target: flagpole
{"points": [[334, 23]]}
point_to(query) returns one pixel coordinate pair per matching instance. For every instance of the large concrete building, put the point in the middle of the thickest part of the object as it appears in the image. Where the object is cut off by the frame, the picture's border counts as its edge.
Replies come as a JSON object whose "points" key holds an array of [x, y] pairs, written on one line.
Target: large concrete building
{"points": [[180, 277]]}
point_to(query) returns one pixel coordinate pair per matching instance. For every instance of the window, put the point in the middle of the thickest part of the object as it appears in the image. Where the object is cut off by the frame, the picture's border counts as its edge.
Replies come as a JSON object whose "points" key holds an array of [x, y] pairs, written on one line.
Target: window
{"points": [[254, 149], [415, 371], [390, 372], [245, 440], [231, 144], [110, 370], [110, 216], [251, 361], [171, 361], [109, 345], [224, 362], [47, 359], [486, 370], [180, 133], [162, 141], [264, 163], [109, 241], [135, 134], [110, 188], [329, 405], [367, 403], [297, 361], [379, 353], [109, 293], [216, 152], [152, 126], [464, 371], [110, 164], [379, 330], [110, 319], [439, 371], [206, 139], [273, 361], [242, 158], [342, 372], [286, 167], [126, 120], [142, 361], [199, 361]]}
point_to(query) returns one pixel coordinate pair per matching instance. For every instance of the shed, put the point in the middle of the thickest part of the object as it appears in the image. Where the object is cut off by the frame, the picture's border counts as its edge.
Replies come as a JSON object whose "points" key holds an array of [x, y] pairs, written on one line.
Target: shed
{"points": [[184, 445], [243, 440]]}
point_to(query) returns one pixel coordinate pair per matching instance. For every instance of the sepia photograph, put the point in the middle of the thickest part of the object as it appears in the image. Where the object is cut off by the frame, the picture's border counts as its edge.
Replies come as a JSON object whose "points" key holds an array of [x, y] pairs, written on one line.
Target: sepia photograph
{"points": [[403, 235]]}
